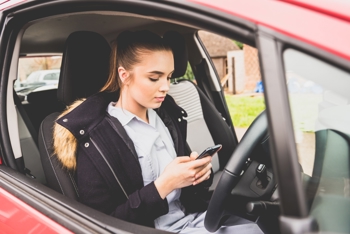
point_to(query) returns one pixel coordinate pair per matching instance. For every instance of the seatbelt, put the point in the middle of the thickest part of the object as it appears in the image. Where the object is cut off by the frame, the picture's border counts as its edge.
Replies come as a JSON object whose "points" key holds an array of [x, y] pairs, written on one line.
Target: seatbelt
{"points": [[20, 161], [25, 118]]}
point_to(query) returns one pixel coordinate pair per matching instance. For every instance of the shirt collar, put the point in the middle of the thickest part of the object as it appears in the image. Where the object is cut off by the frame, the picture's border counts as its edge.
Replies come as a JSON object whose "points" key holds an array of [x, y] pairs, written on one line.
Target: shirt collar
{"points": [[124, 116], [152, 115]]}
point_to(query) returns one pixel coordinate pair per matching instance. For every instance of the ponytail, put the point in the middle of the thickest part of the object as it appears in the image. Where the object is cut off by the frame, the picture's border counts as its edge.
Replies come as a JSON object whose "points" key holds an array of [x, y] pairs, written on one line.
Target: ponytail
{"points": [[126, 52]]}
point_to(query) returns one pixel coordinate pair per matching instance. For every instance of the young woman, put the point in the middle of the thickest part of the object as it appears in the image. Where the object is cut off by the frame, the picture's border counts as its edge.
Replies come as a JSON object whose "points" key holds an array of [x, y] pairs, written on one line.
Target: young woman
{"points": [[127, 143]]}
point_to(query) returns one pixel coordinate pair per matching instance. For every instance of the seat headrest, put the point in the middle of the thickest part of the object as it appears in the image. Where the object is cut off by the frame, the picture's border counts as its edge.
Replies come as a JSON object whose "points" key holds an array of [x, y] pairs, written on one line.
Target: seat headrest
{"points": [[178, 45], [85, 66]]}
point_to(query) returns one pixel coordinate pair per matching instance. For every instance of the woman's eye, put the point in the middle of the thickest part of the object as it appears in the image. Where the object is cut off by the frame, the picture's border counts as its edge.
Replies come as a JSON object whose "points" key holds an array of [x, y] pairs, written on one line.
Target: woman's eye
{"points": [[153, 79]]}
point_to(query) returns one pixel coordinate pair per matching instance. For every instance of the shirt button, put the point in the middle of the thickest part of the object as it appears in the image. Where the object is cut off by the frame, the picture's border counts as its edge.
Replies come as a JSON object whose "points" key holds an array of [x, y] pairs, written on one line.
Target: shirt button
{"points": [[179, 119], [182, 112], [82, 132], [65, 120], [86, 144]]}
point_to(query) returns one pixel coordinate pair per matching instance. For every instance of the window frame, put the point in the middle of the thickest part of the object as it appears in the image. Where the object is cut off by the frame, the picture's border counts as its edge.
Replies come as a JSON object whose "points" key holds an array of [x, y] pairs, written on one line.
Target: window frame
{"points": [[271, 45], [73, 215]]}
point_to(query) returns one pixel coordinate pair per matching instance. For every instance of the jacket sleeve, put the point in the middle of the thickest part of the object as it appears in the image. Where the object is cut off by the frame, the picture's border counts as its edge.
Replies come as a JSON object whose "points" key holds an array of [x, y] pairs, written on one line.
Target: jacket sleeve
{"points": [[142, 206], [196, 198]]}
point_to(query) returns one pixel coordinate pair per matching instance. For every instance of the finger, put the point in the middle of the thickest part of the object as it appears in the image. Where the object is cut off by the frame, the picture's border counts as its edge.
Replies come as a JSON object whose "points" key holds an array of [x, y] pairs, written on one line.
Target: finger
{"points": [[203, 171], [200, 162], [201, 179], [183, 159], [194, 155], [204, 166], [190, 176]]}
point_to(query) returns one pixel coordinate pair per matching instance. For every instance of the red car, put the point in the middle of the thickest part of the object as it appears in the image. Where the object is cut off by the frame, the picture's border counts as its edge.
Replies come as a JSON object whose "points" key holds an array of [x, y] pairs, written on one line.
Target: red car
{"points": [[290, 173]]}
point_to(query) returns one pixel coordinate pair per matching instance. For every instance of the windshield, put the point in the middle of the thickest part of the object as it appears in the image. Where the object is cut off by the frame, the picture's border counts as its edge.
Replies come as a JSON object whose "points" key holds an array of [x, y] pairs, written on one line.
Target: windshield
{"points": [[320, 106]]}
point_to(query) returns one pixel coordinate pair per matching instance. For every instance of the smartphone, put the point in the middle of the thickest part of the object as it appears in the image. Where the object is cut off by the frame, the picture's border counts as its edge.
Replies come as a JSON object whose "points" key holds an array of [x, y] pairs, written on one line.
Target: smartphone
{"points": [[210, 151]]}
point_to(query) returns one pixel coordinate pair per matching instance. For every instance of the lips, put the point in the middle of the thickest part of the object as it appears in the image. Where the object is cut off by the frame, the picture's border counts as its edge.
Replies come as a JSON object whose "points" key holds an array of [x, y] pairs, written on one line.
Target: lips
{"points": [[160, 99]]}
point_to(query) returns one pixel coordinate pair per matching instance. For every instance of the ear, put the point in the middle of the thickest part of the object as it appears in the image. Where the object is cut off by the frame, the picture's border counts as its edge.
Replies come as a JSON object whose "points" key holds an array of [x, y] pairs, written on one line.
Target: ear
{"points": [[123, 74]]}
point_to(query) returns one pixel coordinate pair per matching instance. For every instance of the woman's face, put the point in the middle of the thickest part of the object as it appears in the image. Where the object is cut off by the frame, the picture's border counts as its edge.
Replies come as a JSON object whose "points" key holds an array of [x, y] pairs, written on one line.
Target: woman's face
{"points": [[148, 81]]}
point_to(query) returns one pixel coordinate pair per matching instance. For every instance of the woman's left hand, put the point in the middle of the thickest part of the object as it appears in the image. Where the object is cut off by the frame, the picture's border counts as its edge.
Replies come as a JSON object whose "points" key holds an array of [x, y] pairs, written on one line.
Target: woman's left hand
{"points": [[204, 173]]}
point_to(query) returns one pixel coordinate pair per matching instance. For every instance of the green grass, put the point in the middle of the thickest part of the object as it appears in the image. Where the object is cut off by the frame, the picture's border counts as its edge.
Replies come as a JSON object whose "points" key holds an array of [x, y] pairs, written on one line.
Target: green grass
{"points": [[244, 109], [304, 108]]}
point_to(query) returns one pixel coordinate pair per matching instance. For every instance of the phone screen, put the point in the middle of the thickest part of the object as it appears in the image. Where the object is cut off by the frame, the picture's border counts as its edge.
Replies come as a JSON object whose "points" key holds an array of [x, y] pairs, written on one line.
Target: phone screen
{"points": [[210, 151]]}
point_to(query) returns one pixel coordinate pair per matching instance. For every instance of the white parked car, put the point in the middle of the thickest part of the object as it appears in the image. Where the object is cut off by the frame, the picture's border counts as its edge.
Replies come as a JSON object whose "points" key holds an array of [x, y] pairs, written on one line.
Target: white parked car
{"points": [[45, 79]]}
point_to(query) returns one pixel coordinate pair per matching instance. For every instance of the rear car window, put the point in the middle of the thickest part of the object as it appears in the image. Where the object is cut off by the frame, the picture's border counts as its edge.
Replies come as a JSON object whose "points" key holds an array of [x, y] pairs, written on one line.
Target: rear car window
{"points": [[36, 73]]}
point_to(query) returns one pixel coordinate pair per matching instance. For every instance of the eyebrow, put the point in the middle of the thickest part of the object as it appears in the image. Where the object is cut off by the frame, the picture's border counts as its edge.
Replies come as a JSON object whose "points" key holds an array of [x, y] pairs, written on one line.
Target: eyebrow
{"points": [[160, 73]]}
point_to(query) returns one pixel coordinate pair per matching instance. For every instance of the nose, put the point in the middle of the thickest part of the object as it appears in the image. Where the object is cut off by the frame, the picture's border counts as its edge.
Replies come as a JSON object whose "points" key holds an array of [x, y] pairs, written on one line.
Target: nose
{"points": [[165, 85]]}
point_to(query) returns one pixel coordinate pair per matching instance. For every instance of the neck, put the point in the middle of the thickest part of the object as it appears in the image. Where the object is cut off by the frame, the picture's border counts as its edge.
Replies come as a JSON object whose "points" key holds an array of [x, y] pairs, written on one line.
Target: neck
{"points": [[129, 104]]}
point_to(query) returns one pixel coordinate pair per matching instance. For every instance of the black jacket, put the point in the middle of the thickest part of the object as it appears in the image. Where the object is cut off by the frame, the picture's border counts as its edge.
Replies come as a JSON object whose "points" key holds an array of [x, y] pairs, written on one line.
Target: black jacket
{"points": [[108, 173]]}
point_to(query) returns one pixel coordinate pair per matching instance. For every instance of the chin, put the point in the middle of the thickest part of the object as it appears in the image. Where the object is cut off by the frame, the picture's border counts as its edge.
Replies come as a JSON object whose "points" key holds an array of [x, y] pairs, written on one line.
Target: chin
{"points": [[155, 105]]}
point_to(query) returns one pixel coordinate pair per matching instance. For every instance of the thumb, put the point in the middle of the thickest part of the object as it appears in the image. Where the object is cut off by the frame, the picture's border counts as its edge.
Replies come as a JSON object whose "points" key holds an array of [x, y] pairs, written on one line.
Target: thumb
{"points": [[183, 159]]}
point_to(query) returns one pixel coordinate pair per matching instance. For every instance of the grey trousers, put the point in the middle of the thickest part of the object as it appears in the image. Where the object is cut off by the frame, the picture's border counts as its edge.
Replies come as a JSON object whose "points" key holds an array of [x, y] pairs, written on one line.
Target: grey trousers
{"points": [[194, 224]]}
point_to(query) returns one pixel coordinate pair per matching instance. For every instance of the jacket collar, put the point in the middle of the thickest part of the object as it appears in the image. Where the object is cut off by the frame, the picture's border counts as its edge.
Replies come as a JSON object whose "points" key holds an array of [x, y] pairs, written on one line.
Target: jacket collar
{"points": [[81, 120], [87, 115]]}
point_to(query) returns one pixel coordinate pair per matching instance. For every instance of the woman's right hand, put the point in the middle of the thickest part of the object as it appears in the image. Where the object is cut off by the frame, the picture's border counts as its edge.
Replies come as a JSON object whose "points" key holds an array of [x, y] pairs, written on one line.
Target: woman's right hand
{"points": [[181, 172]]}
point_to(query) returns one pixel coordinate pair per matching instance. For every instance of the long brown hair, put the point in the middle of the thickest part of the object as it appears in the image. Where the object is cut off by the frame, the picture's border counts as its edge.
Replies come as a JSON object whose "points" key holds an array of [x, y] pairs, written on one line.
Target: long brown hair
{"points": [[126, 52]]}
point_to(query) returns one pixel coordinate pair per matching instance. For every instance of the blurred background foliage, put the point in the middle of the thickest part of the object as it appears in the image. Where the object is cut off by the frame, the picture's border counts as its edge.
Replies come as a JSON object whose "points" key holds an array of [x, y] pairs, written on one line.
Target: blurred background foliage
{"points": [[189, 73], [244, 109], [239, 44]]}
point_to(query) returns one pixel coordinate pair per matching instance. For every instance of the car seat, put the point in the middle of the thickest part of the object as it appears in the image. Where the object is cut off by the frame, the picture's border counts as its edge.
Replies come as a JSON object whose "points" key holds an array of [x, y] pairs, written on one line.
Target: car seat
{"points": [[205, 125], [204, 119], [84, 70]]}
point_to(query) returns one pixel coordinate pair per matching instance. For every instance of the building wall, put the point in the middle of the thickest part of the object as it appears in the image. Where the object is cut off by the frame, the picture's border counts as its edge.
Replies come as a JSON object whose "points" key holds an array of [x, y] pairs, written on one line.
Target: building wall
{"points": [[247, 72], [252, 68], [216, 45], [236, 72], [220, 66]]}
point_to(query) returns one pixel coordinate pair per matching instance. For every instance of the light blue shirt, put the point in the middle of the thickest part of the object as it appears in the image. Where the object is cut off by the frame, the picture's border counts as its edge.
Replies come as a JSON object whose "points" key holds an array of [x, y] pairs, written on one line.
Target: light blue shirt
{"points": [[155, 149]]}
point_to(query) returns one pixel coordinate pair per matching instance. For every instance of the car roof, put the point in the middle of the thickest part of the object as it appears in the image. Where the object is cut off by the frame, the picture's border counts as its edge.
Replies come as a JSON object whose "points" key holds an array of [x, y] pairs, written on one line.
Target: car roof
{"points": [[337, 8], [49, 71], [53, 31], [46, 71], [326, 25], [4, 4], [322, 23]]}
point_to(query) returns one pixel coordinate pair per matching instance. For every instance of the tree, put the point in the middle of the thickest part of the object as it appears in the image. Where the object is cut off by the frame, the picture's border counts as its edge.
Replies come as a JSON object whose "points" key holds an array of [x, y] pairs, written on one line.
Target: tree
{"points": [[189, 73], [239, 44]]}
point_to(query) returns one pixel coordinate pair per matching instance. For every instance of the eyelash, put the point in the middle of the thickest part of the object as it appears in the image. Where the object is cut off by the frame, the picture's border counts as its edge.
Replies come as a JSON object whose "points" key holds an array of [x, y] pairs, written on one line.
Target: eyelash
{"points": [[155, 80]]}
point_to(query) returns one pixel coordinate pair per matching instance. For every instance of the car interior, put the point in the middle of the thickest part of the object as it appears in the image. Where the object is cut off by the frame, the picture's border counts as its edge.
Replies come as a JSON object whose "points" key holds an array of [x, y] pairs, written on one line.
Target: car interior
{"points": [[84, 70], [83, 39], [244, 182]]}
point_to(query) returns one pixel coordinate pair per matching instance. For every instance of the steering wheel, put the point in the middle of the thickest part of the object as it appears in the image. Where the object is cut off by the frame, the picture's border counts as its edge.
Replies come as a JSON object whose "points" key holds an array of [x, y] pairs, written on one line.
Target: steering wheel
{"points": [[240, 188]]}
